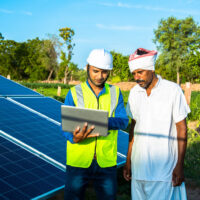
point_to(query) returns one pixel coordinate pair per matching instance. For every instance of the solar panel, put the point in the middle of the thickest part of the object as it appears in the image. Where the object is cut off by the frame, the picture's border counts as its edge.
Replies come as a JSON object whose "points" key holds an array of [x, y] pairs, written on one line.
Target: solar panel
{"points": [[122, 147], [33, 130], [11, 88], [45, 105], [26, 176]]}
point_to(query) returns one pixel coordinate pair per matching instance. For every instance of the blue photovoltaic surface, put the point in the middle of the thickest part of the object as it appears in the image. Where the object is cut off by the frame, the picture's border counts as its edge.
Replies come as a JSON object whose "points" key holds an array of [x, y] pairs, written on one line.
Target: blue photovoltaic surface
{"points": [[24, 175], [122, 147], [10, 88], [32, 130], [123, 142], [45, 105]]}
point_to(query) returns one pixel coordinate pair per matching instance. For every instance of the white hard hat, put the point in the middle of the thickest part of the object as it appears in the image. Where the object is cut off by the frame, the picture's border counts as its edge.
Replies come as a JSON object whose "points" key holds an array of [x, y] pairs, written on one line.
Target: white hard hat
{"points": [[101, 59]]}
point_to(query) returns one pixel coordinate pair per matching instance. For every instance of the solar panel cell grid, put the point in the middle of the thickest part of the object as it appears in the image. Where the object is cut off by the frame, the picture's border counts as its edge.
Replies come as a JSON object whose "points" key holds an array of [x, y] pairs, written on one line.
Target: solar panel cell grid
{"points": [[32, 130], [20, 180], [45, 105]]}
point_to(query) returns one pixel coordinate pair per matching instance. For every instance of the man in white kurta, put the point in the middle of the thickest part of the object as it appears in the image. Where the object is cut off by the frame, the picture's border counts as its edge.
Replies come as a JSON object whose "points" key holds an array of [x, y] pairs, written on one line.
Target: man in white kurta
{"points": [[158, 133]]}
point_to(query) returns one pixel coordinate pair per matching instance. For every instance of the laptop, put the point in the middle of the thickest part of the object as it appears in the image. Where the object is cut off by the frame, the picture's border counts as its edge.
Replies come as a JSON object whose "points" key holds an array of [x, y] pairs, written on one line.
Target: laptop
{"points": [[75, 116]]}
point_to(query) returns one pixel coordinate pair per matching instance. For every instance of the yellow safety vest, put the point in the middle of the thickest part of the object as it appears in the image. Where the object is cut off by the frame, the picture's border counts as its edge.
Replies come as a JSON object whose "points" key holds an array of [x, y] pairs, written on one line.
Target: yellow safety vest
{"points": [[81, 154]]}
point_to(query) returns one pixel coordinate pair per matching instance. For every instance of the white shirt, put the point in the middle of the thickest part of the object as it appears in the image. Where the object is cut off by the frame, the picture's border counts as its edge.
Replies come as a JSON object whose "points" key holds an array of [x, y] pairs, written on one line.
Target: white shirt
{"points": [[155, 148]]}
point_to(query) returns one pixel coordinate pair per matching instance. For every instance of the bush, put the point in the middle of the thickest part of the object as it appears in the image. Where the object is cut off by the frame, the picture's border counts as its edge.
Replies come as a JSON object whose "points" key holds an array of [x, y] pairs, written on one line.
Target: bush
{"points": [[115, 79], [192, 157], [61, 99], [194, 106], [45, 85]]}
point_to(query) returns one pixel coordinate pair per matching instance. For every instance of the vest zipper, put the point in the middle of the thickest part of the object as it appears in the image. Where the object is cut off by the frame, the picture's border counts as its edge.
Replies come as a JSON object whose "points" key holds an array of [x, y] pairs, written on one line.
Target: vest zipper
{"points": [[96, 137]]}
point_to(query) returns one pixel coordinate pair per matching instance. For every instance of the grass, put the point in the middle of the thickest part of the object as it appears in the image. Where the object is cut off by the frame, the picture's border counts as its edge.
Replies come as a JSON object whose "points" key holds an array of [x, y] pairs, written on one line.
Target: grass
{"points": [[52, 92], [195, 106], [192, 157]]}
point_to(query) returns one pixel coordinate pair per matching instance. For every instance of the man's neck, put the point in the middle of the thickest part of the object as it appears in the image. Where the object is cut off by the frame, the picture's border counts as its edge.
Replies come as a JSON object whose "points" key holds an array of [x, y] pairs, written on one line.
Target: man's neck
{"points": [[152, 85], [95, 88]]}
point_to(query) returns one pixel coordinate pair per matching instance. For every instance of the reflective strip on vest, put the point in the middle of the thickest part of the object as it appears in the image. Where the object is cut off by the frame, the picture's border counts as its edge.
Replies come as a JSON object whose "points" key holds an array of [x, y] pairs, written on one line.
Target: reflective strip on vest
{"points": [[113, 99], [80, 100]]}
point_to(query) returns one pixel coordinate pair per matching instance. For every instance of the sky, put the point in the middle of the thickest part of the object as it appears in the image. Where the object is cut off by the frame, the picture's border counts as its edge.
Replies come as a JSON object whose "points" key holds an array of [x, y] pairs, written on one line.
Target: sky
{"points": [[120, 26]]}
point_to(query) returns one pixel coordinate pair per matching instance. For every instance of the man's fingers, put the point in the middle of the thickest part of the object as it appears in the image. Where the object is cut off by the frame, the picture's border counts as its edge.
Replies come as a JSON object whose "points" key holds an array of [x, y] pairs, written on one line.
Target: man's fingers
{"points": [[127, 174], [76, 130], [89, 131], [177, 181], [80, 134], [84, 129], [93, 135]]}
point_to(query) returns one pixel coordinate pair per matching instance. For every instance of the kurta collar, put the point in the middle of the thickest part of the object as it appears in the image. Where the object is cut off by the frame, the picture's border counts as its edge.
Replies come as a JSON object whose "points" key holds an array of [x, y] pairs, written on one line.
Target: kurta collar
{"points": [[140, 89]]}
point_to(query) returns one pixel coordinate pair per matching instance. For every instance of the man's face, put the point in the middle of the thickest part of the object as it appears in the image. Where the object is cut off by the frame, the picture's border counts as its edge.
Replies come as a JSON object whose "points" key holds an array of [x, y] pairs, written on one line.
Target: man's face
{"points": [[143, 77], [97, 76]]}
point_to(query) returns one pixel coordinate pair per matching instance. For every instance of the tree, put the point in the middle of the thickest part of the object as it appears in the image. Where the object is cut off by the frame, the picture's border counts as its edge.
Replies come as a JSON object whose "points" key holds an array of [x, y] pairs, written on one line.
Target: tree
{"points": [[66, 34], [7, 48], [33, 60], [49, 57], [55, 40], [192, 70], [63, 64], [36, 69], [12, 58], [1, 37], [175, 38], [72, 68], [120, 67]]}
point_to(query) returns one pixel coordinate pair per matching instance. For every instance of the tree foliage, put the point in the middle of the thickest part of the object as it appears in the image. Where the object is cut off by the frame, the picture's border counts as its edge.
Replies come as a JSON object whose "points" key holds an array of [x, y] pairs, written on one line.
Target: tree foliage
{"points": [[174, 39], [12, 58], [67, 34], [191, 71], [120, 67], [34, 59]]}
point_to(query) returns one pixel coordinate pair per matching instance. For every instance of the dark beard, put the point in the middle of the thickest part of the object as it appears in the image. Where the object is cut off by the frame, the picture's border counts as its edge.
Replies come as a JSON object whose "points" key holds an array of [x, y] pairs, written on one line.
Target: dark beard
{"points": [[100, 86]]}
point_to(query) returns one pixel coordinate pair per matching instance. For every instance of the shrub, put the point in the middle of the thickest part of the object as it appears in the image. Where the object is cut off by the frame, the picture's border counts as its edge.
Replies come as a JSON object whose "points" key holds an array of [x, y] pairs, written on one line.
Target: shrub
{"points": [[195, 106], [115, 79], [45, 85], [192, 157]]}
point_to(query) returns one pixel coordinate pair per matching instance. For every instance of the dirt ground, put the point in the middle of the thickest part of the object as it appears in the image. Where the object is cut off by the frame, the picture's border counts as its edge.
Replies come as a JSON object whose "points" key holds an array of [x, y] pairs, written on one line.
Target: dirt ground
{"points": [[193, 193], [126, 86]]}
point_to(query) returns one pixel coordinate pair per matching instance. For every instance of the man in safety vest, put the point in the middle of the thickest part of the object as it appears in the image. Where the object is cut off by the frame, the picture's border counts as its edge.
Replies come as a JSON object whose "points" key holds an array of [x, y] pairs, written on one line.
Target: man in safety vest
{"points": [[94, 157]]}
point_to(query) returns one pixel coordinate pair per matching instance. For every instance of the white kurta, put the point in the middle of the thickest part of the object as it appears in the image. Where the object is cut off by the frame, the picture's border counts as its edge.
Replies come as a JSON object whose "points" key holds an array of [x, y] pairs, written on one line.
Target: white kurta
{"points": [[155, 148]]}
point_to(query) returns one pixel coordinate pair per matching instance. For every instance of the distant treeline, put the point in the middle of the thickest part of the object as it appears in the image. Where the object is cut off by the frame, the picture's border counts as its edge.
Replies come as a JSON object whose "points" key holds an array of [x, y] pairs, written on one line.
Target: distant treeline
{"points": [[177, 41]]}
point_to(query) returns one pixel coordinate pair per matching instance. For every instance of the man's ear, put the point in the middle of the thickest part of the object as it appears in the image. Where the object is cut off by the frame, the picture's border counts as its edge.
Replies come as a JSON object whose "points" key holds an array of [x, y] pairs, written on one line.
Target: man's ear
{"points": [[87, 67]]}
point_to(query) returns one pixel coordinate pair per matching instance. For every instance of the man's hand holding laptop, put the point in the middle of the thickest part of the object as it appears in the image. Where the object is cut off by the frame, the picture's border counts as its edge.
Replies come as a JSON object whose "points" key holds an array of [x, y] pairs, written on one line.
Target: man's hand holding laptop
{"points": [[81, 134]]}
